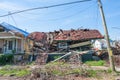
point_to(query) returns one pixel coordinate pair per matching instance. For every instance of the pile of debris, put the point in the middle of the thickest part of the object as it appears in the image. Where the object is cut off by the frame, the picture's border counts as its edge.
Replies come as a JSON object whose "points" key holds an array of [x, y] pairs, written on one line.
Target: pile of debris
{"points": [[76, 57], [41, 59], [62, 39], [39, 42], [116, 49]]}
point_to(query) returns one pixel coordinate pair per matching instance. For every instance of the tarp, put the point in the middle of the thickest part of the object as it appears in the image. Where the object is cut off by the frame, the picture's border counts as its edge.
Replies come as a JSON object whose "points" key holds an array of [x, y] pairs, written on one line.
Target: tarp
{"points": [[9, 27]]}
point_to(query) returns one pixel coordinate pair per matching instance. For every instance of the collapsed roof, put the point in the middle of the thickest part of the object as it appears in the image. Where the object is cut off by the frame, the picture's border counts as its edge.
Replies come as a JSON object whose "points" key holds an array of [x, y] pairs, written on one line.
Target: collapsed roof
{"points": [[37, 36], [68, 35], [82, 34]]}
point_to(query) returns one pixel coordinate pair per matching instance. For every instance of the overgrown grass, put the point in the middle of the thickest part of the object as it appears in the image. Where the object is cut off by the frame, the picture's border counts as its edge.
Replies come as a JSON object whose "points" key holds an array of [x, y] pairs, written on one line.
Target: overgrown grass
{"points": [[51, 69], [95, 63], [16, 71], [60, 64], [57, 68], [31, 63], [62, 69], [55, 57]]}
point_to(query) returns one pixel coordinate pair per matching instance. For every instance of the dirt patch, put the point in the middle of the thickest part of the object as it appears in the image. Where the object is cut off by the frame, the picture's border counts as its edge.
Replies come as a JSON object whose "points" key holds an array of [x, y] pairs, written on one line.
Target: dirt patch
{"points": [[70, 77]]}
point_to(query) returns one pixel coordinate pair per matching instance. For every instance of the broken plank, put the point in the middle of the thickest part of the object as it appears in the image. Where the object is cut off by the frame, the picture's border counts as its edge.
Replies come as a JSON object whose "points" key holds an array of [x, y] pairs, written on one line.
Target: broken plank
{"points": [[80, 44]]}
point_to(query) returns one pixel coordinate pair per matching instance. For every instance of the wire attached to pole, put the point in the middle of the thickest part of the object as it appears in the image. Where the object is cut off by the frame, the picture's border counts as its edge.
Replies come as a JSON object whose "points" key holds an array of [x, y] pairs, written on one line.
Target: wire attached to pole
{"points": [[44, 7]]}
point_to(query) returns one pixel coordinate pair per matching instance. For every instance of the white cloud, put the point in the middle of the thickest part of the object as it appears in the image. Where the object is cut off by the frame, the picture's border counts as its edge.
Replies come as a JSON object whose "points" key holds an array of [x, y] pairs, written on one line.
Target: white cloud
{"points": [[67, 21], [8, 6]]}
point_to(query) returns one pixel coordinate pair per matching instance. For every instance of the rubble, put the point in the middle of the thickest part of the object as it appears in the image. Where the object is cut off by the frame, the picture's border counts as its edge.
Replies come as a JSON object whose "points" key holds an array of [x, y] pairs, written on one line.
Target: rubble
{"points": [[62, 41], [49, 42], [41, 59]]}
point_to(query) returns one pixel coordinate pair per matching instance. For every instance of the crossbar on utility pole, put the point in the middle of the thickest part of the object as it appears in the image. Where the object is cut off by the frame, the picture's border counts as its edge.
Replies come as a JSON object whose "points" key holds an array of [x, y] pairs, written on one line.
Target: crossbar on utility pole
{"points": [[106, 36]]}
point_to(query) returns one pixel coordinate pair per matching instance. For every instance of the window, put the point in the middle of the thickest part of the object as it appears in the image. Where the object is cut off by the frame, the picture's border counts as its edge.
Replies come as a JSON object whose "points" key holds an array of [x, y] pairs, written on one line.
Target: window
{"points": [[63, 45], [10, 45]]}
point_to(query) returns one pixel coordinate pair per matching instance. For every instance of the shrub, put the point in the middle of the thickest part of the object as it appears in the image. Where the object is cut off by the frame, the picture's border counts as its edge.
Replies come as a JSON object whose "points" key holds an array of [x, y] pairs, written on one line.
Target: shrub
{"points": [[6, 59]]}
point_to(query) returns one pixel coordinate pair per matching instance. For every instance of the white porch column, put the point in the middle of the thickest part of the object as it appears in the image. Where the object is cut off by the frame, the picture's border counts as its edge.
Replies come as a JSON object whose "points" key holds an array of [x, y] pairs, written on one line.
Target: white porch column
{"points": [[13, 43], [4, 46], [22, 45], [16, 44]]}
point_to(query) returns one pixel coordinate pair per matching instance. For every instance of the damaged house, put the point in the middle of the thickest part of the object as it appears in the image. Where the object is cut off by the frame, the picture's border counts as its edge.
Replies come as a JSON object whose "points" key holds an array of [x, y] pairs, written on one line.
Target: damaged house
{"points": [[39, 42], [12, 39], [76, 39], [64, 40]]}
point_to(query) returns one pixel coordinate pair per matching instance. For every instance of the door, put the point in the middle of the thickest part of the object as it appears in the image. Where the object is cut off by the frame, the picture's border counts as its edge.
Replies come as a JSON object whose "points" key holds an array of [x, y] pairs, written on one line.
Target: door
{"points": [[8, 46]]}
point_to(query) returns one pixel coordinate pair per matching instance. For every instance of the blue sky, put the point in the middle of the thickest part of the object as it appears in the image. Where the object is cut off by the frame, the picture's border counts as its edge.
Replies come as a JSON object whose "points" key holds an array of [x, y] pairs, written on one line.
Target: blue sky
{"points": [[82, 15]]}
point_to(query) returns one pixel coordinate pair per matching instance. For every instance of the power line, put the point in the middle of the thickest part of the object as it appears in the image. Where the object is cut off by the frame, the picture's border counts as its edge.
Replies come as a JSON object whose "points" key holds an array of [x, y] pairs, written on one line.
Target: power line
{"points": [[74, 14], [68, 16], [116, 27], [51, 6], [55, 12]]}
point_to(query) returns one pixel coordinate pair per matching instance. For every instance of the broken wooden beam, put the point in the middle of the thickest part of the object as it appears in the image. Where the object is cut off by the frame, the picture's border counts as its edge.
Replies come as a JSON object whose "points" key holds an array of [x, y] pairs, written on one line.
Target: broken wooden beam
{"points": [[62, 56], [80, 44]]}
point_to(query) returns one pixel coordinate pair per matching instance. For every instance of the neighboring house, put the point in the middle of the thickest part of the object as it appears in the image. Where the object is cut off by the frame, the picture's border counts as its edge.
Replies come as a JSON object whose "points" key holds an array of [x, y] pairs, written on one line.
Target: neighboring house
{"points": [[101, 44], [12, 39], [112, 43]]}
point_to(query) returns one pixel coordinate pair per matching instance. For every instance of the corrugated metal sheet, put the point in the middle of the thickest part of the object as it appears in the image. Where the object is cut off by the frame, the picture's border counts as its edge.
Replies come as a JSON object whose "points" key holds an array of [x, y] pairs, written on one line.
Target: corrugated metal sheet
{"points": [[9, 27]]}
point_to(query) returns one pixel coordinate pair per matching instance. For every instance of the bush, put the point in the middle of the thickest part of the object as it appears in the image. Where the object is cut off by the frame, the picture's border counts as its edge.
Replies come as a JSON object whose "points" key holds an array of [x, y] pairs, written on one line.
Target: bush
{"points": [[6, 59]]}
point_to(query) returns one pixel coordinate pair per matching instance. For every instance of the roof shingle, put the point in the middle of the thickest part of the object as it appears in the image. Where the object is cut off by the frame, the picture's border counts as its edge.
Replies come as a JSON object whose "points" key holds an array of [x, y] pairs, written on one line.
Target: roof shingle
{"points": [[37, 36], [83, 34]]}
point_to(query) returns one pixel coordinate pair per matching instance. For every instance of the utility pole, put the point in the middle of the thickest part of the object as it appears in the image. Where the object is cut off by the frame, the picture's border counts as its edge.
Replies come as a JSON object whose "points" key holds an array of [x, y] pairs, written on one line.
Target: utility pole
{"points": [[106, 36]]}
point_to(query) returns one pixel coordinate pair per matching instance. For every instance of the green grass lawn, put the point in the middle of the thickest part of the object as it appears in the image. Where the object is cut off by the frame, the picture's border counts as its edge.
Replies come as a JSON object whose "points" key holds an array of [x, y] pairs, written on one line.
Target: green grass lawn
{"points": [[17, 71], [95, 63]]}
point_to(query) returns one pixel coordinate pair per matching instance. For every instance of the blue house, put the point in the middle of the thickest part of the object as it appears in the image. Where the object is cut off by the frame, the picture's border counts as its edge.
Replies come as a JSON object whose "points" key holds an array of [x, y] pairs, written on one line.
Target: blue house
{"points": [[12, 39]]}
